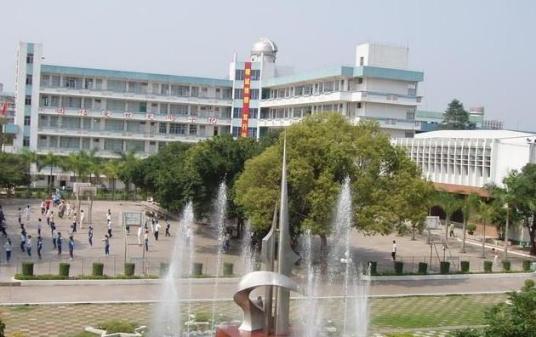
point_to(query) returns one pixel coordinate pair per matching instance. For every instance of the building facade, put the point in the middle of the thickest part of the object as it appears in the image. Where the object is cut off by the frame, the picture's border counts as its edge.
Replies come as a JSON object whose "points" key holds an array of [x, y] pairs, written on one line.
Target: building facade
{"points": [[8, 129], [468, 160], [64, 109]]}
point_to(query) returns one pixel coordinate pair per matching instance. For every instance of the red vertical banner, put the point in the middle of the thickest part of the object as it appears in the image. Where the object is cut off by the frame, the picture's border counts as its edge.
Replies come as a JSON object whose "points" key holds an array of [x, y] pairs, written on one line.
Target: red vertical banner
{"points": [[246, 92]]}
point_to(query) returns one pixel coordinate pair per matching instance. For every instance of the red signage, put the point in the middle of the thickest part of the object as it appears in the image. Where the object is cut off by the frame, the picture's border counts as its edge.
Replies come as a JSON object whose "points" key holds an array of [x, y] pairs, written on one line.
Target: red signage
{"points": [[246, 95]]}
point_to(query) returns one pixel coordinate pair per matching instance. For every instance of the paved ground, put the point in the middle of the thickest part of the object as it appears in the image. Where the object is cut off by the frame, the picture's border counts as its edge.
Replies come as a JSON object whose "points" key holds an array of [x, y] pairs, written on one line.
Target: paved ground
{"points": [[425, 316]]}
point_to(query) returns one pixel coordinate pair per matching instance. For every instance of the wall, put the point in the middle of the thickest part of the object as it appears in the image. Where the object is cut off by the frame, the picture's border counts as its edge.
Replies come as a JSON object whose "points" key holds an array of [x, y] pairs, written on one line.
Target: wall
{"points": [[382, 56]]}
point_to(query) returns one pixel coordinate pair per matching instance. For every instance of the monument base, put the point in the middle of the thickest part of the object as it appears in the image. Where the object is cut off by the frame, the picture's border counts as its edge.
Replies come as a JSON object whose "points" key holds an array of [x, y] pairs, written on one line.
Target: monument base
{"points": [[233, 331]]}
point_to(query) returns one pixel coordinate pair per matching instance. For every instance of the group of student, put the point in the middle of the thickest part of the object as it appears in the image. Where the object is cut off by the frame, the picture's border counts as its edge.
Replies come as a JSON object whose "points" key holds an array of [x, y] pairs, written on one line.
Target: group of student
{"points": [[155, 228]]}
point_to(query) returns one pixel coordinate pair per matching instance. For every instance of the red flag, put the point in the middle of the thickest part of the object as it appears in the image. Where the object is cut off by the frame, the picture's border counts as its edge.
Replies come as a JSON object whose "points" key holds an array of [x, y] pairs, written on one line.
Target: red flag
{"points": [[4, 109]]}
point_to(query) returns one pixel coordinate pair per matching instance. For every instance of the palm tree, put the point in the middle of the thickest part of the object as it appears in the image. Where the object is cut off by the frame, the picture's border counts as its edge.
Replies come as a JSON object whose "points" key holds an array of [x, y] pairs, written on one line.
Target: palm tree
{"points": [[450, 204], [29, 157], [469, 204], [78, 163], [485, 214], [126, 163], [51, 161], [94, 165], [111, 170]]}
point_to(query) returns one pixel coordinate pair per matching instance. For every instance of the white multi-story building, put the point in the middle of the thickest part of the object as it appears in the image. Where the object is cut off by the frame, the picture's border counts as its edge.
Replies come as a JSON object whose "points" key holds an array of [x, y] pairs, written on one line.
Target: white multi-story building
{"points": [[467, 160], [64, 109]]}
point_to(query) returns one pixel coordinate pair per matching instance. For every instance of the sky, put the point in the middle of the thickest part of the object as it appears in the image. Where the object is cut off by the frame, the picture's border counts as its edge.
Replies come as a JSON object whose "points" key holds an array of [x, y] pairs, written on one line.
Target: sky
{"points": [[482, 52]]}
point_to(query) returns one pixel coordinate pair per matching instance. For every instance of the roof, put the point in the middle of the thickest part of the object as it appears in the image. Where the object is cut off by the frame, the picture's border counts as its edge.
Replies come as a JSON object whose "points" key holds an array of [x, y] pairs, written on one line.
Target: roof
{"points": [[132, 75], [476, 134], [347, 71]]}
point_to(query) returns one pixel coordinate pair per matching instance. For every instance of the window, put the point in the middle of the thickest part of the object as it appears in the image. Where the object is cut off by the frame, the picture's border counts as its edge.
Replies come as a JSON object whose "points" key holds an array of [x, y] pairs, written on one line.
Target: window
{"points": [[162, 128], [178, 129], [113, 145], [44, 100], [253, 112], [28, 79], [29, 58], [195, 92], [408, 134], [178, 109], [359, 105], [71, 82], [360, 80], [361, 60], [254, 94], [237, 113], [238, 94], [410, 115], [193, 129], [28, 100], [239, 75], [88, 83], [26, 141], [412, 89], [26, 120], [255, 75]]}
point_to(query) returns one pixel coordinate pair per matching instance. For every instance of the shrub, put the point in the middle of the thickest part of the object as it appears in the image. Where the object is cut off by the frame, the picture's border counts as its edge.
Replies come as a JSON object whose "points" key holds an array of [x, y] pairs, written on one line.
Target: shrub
{"points": [[507, 265], [2, 328], [227, 269], [197, 269], [129, 269], [465, 333], [423, 268], [27, 268], [529, 284], [373, 265], [399, 267], [116, 326], [64, 270], [471, 227], [488, 265], [97, 269], [444, 267], [526, 265], [464, 266], [164, 267]]}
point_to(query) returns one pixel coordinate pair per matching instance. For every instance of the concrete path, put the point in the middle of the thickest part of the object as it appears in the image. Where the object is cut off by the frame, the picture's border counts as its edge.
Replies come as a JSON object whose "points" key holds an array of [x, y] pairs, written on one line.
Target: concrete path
{"points": [[202, 290]]}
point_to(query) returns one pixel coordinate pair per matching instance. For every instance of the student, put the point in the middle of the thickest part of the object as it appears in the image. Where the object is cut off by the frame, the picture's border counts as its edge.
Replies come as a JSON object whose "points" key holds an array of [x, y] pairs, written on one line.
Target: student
{"points": [[29, 245], [54, 239], [39, 226], [167, 228], [146, 240], [451, 230], [23, 240], [7, 247], [27, 213], [59, 243], [73, 227], [393, 251], [82, 215], [140, 233], [39, 246], [90, 235], [71, 247], [109, 215], [69, 209], [156, 230], [19, 212], [43, 207], [106, 245], [109, 228]]}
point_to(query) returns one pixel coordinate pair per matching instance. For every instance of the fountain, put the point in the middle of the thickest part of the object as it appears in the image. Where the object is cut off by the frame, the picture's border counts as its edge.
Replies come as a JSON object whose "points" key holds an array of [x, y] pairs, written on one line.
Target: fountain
{"points": [[167, 320], [247, 255], [219, 221], [311, 310]]}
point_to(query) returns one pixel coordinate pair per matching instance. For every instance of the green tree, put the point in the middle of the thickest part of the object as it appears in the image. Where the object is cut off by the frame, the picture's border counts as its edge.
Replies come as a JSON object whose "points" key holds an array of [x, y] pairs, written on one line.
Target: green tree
{"points": [[29, 158], [484, 214], [515, 317], [50, 161], [450, 204], [111, 169], [13, 170], [456, 118], [322, 151], [521, 187], [127, 168], [469, 204]]}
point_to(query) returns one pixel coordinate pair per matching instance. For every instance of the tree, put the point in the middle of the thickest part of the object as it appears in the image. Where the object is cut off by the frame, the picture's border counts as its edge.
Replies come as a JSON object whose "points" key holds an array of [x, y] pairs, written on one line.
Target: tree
{"points": [[485, 213], [51, 161], [516, 317], [521, 188], [13, 170], [29, 158], [322, 151], [127, 165], [456, 118], [469, 204], [450, 204], [111, 169]]}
